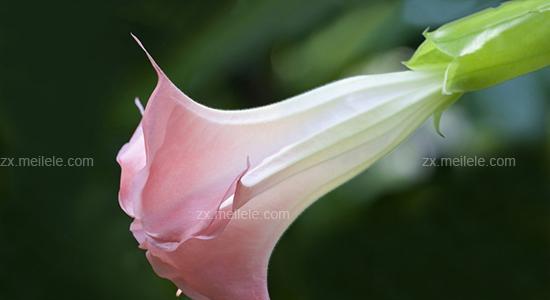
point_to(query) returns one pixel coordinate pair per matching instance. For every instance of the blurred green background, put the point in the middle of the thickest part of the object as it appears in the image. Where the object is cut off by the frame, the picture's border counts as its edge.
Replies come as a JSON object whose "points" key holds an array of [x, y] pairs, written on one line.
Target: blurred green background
{"points": [[69, 72]]}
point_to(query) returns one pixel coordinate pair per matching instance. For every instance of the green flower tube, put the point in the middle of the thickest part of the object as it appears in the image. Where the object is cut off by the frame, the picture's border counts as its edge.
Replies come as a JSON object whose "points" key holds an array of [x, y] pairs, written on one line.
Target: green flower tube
{"points": [[488, 47]]}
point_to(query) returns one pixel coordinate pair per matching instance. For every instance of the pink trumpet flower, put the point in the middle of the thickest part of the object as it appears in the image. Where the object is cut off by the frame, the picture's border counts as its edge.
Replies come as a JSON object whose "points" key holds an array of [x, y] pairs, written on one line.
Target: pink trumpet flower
{"points": [[211, 191]]}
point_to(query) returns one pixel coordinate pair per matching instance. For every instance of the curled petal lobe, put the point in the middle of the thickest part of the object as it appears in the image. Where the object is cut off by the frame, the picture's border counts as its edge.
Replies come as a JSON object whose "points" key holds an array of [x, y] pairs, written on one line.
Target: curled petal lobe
{"points": [[132, 158]]}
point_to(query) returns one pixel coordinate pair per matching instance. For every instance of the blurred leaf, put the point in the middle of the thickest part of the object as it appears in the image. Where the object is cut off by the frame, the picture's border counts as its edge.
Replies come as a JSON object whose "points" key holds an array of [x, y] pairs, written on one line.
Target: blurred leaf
{"points": [[242, 36], [350, 37]]}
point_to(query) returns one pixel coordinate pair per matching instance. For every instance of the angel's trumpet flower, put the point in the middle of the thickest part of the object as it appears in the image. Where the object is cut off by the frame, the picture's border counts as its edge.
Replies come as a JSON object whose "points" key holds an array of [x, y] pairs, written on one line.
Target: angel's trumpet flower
{"points": [[212, 191]]}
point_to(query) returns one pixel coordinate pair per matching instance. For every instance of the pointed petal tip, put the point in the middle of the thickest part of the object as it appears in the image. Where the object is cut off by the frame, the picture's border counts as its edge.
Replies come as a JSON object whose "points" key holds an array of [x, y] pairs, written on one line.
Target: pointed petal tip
{"points": [[151, 59]]}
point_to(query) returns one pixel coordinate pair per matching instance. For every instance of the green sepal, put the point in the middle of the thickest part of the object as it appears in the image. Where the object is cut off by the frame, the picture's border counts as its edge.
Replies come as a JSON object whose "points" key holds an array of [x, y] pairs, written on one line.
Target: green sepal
{"points": [[488, 47]]}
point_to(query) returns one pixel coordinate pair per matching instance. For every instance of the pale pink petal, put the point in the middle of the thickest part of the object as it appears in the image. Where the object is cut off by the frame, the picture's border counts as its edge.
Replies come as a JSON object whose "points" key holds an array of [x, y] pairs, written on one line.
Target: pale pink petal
{"points": [[132, 159]]}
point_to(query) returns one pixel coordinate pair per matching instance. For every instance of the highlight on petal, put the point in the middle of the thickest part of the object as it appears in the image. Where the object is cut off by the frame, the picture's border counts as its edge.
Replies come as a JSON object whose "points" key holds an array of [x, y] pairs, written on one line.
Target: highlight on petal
{"points": [[212, 191]]}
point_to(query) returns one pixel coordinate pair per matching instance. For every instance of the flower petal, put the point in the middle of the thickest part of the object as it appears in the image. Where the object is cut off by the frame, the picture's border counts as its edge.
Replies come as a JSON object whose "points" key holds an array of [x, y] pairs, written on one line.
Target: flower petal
{"points": [[132, 159]]}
